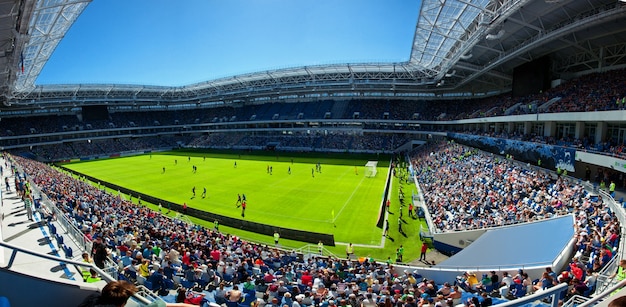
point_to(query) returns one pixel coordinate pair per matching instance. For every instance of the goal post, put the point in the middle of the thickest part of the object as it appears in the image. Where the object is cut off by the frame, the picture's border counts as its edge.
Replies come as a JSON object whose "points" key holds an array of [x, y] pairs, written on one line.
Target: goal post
{"points": [[370, 168]]}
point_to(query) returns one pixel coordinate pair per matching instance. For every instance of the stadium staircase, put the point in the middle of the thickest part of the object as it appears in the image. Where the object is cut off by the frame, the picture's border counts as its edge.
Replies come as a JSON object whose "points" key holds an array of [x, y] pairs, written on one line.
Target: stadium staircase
{"points": [[512, 109], [339, 108], [545, 106]]}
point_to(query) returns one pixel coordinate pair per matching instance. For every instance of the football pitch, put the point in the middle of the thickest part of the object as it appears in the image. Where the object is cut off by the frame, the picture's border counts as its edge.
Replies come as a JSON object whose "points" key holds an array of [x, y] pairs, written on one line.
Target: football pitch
{"points": [[336, 199]]}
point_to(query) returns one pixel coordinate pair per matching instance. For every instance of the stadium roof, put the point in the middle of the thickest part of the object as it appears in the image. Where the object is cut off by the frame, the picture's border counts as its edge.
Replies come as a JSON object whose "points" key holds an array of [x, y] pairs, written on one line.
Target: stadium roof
{"points": [[461, 48]]}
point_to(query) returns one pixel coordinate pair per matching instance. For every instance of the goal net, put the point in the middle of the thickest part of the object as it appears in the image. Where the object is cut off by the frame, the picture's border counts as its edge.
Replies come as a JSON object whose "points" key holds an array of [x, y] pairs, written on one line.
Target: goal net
{"points": [[370, 168]]}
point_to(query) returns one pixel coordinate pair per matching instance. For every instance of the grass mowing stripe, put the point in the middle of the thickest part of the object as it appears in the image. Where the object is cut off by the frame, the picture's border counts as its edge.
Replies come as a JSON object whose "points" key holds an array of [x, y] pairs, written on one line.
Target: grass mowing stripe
{"points": [[308, 206]]}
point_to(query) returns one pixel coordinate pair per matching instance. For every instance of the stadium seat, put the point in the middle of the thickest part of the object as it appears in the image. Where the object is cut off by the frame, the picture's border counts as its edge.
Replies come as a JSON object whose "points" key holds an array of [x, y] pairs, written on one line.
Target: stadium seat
{"points": [[518, 290], [59, 239], [4, 302], [168, 283], [68, 251], [141, 280], [187, 284]]}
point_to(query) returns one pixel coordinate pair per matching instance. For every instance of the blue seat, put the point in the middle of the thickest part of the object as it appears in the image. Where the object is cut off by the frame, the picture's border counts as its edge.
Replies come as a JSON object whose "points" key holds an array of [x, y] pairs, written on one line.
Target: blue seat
{"points": [[4, 302], [68, 252], [187, 284], [59, 239], [489, 288], [148, 285], [518, 290], [168, 284]]}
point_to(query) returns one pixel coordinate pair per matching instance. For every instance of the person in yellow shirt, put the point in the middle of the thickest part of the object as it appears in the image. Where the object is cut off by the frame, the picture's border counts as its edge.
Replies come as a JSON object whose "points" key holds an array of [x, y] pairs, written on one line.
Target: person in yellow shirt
{"points": [[144, 268], [472, 280]]}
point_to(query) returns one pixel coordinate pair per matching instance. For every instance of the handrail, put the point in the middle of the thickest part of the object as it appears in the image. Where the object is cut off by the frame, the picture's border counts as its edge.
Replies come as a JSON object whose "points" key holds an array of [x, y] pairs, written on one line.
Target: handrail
{"points": [[70, 228], [551, 292], [106, 277], [314, 250], [602, 296]]}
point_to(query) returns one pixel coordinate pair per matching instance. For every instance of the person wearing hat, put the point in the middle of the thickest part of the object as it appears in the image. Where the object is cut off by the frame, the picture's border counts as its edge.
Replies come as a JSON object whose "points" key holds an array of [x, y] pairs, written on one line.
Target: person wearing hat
{"points": [[298, 301], [286, 300]]}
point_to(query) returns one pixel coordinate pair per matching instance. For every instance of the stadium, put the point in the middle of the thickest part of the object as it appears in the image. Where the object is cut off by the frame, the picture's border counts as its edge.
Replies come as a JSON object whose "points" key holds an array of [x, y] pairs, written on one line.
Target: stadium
{"points": [[497, 147]]}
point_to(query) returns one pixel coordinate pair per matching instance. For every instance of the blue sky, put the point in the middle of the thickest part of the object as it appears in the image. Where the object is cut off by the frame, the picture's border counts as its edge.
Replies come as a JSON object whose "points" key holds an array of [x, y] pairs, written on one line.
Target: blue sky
{"points": [[158, 42]]}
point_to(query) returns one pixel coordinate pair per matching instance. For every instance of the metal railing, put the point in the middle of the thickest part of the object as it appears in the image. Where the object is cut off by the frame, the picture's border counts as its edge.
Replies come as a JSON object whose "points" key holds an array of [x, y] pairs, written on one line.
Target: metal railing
{"points": [[603, 296], [142, 296], [313, 250], [552, 293]]}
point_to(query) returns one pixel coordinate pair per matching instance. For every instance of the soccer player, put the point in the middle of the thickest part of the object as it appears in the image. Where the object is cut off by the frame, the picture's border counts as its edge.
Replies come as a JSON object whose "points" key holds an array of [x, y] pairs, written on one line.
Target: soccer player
{"points": [[235, 166], [386, 232], [216, 225], [238, 200], [289, 170], [243, 197], [175, 162], [163, 172], [356, 171], [312, 173], [193, 190], [243, 209], [204, 192]]}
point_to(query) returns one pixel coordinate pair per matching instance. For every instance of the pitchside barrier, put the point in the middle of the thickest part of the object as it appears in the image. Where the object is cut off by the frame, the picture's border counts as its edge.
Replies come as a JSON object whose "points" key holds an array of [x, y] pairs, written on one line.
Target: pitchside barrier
{"points": [[285, 233]]}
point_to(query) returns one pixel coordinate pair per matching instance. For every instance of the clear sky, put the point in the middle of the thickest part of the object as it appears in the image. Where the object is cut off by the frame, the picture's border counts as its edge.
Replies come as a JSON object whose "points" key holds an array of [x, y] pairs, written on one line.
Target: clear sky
{"points": [[159, 42]]}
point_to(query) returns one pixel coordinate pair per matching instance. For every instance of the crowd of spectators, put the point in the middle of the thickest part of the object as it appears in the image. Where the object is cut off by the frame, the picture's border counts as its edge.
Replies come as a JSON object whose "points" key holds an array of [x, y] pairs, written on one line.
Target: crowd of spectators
{"points": [[592, 92], [159, 252], [468, 189], [610, 146]]}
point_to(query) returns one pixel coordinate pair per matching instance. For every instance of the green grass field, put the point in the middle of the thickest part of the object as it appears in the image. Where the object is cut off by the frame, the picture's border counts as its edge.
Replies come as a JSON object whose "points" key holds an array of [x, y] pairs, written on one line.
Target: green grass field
{"points": [[340, 199]]}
